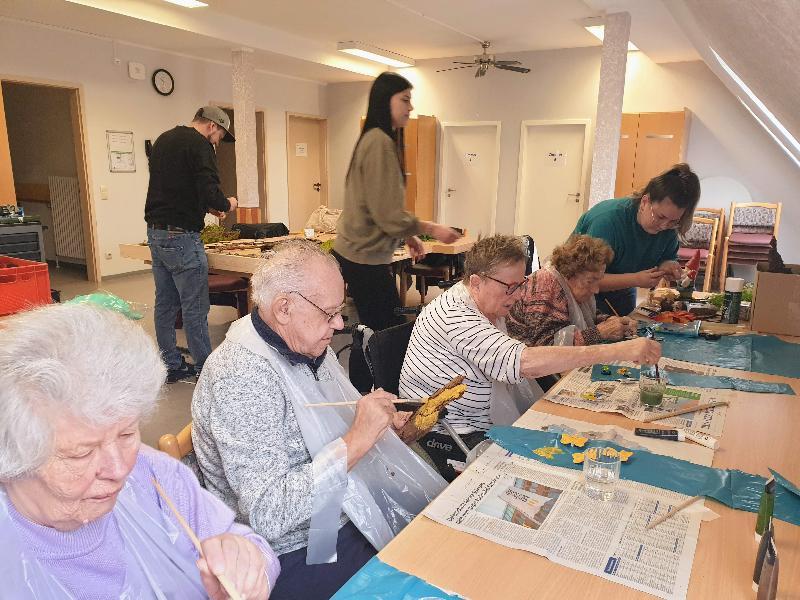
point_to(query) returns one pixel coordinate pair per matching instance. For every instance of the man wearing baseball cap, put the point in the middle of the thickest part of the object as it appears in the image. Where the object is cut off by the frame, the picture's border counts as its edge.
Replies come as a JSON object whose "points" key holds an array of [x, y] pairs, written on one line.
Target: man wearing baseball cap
{"points": [[184, 186]]}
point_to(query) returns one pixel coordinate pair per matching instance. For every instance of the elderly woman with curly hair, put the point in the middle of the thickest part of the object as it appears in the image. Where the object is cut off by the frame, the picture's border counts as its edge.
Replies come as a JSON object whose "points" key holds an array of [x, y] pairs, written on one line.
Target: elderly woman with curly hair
{"points": [[80, 514], [558, 306]]}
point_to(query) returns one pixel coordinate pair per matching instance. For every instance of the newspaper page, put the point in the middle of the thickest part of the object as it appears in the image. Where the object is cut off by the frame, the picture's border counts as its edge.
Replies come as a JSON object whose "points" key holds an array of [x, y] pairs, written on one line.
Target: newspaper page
{"points": [[578, 390], [529, 505]]}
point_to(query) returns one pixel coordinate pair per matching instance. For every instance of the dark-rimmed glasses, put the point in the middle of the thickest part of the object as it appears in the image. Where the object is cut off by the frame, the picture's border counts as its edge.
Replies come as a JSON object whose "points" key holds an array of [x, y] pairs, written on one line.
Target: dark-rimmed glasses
{"points": [[330, 316], [662, 221], [510, 287]]}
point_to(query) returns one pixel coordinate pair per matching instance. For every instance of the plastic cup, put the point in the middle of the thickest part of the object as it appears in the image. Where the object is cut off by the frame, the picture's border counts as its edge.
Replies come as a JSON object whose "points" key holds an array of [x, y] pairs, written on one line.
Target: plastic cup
{"points": [[651, 389], [601, 472], [309, 233]]}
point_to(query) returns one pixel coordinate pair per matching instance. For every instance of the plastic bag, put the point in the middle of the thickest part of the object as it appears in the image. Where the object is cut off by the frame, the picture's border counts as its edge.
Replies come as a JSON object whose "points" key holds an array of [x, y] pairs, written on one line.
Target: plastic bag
{"points": [[132, 310], [323, 219]]}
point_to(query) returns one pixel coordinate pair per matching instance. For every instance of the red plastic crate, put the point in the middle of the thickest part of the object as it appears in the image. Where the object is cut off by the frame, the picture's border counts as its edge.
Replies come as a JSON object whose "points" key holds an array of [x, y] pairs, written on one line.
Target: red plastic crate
{"points": [[23, 284]]}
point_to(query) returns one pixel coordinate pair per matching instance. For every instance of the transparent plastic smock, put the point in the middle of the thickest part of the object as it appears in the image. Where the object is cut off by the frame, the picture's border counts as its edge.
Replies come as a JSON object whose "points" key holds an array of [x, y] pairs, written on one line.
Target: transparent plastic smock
{"points": [[160, 561], [386, 489]]}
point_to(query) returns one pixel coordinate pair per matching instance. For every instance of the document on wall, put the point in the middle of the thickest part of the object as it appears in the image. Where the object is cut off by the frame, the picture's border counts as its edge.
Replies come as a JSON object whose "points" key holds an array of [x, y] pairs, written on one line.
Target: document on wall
{"points": [[529, 505], [578, 390], [121, 154]]}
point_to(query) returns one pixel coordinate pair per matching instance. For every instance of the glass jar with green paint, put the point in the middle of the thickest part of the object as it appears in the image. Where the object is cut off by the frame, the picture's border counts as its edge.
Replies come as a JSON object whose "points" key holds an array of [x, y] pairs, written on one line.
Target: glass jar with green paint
{"points": [[651, 388]]}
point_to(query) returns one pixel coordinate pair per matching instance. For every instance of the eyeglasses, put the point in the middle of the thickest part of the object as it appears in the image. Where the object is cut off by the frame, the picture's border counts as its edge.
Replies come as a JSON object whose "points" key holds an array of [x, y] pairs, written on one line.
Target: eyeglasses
{"points": [[662, 221], [510, 287], [330, 316]]}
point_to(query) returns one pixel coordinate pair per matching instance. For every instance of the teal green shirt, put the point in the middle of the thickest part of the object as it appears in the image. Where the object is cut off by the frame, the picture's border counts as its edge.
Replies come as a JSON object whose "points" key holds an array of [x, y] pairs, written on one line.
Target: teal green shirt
{"points": [[634, 249]]}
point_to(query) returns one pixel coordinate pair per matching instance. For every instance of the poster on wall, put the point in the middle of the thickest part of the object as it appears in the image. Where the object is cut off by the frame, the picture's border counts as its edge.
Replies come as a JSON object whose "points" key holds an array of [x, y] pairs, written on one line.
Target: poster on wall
{"points": [[121, 156]]}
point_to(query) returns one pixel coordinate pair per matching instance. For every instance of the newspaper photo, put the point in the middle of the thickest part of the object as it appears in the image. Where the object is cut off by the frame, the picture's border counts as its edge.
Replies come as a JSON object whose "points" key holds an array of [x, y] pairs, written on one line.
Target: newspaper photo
{"points": [[578, 390], [529, 505]]}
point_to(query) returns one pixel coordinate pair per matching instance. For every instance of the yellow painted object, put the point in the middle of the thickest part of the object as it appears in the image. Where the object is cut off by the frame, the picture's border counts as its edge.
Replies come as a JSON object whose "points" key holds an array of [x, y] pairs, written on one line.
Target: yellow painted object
{"points": [[548, 452], [579, 457], [428, 413], [573, 440]]}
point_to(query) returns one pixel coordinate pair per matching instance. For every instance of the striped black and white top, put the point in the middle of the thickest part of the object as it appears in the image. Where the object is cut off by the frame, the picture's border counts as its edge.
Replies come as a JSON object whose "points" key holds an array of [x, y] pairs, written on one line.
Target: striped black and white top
{"points": [[452, 337]]}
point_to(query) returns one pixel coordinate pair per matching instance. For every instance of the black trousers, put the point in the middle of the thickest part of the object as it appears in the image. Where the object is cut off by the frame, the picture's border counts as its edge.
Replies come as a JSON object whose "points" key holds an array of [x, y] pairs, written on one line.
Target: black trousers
{"points": [[299, 581], [623, 301], [374, 293]]}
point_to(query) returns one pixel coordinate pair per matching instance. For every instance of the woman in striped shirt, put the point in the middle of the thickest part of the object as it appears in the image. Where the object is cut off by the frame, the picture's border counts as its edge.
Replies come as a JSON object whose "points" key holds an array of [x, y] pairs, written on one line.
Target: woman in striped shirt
{"points": [[463, 332]]}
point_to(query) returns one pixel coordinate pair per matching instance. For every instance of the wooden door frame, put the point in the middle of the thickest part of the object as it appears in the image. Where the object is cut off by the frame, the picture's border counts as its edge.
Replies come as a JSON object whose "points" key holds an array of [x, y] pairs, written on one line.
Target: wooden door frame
{"points": [[82, 166], [523, 155], [325, 180], [440, 216], [262, 162]]}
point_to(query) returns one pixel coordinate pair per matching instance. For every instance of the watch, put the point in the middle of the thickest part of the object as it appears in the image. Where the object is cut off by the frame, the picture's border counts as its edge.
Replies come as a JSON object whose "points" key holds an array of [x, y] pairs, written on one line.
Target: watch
{"points": [[163, 82]]}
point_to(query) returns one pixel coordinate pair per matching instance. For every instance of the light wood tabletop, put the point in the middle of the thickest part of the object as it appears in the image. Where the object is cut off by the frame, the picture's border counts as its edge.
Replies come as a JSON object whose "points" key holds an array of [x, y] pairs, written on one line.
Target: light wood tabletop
{"points": [[759, 433]]}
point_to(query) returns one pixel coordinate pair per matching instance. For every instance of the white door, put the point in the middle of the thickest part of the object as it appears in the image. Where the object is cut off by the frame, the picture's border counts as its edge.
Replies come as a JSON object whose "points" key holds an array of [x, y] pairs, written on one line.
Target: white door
{"points": [[551, 181], [468, 182], [307, 167]]}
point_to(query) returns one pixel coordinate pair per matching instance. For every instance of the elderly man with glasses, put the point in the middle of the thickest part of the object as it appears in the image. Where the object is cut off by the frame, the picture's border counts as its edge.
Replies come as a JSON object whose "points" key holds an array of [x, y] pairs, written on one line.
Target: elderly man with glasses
{"points": [[463, 332], [328, 485]]}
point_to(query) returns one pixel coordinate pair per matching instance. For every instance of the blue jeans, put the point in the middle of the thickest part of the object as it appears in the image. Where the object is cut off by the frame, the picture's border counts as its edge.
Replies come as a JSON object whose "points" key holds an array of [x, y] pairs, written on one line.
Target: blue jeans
{"points": [[623, 301], [180, 270]]}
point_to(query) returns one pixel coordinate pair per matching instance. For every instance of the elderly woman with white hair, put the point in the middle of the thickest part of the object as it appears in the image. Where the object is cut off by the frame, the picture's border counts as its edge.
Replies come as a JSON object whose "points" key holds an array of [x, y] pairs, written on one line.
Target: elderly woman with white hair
{"points": [[327, 485], [80, 516]]}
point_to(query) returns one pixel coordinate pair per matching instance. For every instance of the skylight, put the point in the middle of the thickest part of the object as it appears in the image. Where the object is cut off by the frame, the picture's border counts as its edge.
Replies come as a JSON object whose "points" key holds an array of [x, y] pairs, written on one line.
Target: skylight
{"points": [[762, 107]]}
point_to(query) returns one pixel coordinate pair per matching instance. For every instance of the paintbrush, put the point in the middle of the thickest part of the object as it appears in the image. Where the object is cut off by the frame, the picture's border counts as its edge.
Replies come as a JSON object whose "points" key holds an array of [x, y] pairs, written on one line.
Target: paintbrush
{"points": [[223, 579], [672, 512]]}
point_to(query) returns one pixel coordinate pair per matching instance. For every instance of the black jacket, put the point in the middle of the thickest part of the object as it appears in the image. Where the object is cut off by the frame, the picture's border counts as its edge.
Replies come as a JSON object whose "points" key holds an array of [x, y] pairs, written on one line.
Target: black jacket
{"points": [[184, 182]]}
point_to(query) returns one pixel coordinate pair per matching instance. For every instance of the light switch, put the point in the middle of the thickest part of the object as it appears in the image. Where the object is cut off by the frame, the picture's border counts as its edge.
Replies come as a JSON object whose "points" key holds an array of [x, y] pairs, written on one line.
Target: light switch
{"points": [[103, 192], [136, 70]]}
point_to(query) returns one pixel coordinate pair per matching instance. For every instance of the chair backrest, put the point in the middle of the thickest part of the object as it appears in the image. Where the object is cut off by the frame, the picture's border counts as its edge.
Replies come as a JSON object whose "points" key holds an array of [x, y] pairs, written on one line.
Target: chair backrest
{"points": [[532, 264], [755, 217], [177, 446], [701, 234], [385, 352]]}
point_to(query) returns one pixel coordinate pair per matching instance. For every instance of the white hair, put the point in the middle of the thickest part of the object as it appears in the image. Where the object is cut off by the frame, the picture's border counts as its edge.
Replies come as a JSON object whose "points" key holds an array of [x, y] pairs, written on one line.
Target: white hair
{"points": [[288, 270], [85, 361]]}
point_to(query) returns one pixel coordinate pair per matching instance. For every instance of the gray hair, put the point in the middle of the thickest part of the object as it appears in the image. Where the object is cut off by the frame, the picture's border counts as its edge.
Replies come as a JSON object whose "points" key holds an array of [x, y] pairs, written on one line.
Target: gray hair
{"points": [[85, 361], [287, 270], [492, 253]]}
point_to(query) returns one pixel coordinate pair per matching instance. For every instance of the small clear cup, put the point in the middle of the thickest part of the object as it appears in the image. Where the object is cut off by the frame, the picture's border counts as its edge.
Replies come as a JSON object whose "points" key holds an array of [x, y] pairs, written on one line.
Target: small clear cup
{"points": [[651, 388], [601, 466]]}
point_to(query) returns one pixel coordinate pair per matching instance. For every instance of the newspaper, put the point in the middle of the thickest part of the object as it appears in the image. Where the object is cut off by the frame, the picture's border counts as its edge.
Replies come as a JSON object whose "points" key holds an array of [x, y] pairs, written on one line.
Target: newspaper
{"points": [[578, 390], [529, 505]]}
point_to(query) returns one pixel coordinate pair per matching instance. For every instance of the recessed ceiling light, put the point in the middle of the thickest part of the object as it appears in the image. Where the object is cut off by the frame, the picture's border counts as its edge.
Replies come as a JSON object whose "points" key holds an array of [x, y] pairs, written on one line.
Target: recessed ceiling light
{"points": [[188, 3], [598, 31], [386, 57]]}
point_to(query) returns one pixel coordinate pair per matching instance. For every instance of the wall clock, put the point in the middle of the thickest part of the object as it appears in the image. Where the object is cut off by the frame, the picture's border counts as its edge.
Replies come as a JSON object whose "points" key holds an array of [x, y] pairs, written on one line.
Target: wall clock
{"points": [[163, 82]]}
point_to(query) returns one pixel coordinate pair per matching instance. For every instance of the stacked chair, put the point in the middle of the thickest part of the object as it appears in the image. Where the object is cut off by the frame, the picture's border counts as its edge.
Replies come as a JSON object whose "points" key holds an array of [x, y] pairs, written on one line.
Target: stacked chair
{"points": [[751, 227], [702, 235]]}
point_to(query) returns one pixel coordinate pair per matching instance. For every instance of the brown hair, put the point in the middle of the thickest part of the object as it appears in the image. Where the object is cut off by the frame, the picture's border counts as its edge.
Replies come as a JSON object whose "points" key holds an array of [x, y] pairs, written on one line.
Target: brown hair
{"points": [[678, 183], [492, 253], [581, 253]]}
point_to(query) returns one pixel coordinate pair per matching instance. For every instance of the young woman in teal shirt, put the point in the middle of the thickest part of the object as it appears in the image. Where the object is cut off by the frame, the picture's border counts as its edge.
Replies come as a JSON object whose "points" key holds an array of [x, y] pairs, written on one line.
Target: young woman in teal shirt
{"points": [[643, 232]]}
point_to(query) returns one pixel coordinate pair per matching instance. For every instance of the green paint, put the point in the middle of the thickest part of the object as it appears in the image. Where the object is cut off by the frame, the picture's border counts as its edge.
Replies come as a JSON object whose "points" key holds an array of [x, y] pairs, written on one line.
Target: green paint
{"points": [[681, 394], [651, 397]]}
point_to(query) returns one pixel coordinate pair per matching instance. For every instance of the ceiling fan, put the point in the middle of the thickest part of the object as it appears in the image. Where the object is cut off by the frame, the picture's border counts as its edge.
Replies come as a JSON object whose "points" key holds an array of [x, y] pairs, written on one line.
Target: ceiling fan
{"points": [[486, 60]]}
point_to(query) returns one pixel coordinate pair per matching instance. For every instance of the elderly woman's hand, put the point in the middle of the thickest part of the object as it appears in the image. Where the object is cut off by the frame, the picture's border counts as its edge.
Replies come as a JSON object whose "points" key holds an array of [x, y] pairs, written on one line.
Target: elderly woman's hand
{"points": [[613, 328], [640, 350], [240, 561]]}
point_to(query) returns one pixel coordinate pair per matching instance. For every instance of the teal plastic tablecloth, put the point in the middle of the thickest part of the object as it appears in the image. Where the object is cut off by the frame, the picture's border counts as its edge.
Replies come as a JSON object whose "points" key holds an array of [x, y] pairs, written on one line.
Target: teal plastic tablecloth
{"points": [[378, 581]]}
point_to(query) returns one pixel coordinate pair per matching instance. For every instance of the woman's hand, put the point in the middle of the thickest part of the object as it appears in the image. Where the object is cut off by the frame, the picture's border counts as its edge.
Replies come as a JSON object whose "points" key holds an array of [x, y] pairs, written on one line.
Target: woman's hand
{"points": [[648, 278], [240, 561], [672, 270], [641, 350], [613, 328], [415, 248], [446, 235]]}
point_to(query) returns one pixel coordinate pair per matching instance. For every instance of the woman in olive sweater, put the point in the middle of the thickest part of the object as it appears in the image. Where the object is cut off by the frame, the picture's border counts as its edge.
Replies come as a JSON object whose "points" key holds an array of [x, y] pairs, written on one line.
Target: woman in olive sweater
{"points": [[374, 220]]}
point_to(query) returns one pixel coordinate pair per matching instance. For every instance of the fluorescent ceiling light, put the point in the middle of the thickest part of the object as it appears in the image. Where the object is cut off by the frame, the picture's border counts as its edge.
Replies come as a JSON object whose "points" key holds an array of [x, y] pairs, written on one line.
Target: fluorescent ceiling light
{"points": [[392, 59], [188, 3], [598, 31]]}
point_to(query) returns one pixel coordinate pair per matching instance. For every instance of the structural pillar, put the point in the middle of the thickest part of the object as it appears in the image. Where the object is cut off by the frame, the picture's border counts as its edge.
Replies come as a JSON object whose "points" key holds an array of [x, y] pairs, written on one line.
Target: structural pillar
{"points": [[244, 108], [609, 107]]}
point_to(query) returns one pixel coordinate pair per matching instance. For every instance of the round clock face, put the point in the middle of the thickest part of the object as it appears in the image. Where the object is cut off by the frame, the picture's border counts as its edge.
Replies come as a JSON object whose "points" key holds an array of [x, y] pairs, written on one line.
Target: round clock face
{"points": [[163, 82]]}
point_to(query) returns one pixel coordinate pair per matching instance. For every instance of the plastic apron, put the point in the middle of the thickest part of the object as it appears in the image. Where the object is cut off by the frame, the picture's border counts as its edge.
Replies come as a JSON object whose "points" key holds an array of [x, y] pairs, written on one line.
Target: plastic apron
{"points": [[388, 487], [160, 559]]}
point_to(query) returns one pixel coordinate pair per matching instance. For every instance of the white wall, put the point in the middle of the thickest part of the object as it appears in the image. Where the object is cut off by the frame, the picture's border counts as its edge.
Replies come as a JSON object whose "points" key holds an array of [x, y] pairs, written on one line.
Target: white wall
{"points": [[723, 141], [113, 101], [346, 104]]}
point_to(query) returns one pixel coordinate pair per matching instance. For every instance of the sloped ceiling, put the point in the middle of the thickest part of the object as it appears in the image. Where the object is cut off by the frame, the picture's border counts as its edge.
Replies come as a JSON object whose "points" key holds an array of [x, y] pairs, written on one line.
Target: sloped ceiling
{"points": [[758, 39]]}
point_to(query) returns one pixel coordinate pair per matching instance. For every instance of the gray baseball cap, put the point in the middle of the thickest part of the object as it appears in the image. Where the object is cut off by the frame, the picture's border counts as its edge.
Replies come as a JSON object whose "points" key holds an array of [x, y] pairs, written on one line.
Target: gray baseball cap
{"points": [[216, 115]]}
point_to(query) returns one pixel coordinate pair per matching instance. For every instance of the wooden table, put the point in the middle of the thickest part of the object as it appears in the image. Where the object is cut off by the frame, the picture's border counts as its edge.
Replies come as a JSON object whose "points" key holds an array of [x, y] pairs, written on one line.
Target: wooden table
{"points": [[245, 263], [760, 430]]}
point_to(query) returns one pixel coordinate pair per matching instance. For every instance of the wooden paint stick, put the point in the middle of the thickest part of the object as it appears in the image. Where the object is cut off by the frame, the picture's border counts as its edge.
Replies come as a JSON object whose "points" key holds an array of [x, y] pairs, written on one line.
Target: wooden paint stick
{"points": [[671, 513], [683, 411]]}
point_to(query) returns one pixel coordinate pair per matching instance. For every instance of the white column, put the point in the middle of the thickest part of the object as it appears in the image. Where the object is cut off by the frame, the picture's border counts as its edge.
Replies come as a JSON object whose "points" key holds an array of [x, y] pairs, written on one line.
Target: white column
{"points": [[609, 107], [244, 109]]}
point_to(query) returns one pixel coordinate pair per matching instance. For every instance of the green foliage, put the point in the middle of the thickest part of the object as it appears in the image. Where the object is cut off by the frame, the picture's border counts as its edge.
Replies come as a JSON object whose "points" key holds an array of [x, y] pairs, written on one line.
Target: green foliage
{"points": [[217, 233]]}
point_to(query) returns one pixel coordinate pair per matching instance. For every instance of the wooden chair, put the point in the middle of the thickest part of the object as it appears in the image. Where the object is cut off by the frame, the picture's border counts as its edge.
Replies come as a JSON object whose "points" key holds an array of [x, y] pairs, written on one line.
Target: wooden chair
{"points": [[701, 236], [751, 227], [177, 446], [719, 215]]}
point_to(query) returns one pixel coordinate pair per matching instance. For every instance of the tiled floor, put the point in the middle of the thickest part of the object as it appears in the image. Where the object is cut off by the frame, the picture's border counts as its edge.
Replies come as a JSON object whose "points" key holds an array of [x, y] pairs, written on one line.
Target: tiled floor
{"points": [[174, 410]]}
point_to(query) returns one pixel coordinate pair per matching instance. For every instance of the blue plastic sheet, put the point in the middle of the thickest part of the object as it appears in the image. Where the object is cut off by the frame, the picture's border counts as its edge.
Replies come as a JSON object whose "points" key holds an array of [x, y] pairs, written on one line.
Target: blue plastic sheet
{"points": [[730, 351], [730, 383], [773, 356], [732, 487], [378, 581]]}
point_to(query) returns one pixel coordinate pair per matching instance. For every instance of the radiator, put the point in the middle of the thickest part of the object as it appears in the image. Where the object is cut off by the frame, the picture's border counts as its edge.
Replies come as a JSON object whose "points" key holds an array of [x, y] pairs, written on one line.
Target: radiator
{"points": [[65, 202]]}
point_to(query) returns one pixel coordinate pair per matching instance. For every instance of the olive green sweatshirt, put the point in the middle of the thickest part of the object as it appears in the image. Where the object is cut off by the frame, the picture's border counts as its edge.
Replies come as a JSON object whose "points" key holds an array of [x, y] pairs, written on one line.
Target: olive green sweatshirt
{"points": [[374, 219]]}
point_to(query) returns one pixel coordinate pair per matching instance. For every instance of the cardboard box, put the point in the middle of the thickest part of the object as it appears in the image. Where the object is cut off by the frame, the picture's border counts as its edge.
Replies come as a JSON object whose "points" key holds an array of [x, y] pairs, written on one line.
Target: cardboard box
{"points": [[776, 302]]}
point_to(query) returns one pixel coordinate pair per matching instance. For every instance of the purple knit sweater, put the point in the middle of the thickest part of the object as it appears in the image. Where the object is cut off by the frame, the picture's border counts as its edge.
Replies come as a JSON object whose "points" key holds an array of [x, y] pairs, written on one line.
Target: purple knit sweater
{"points": [[90, 562]]}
